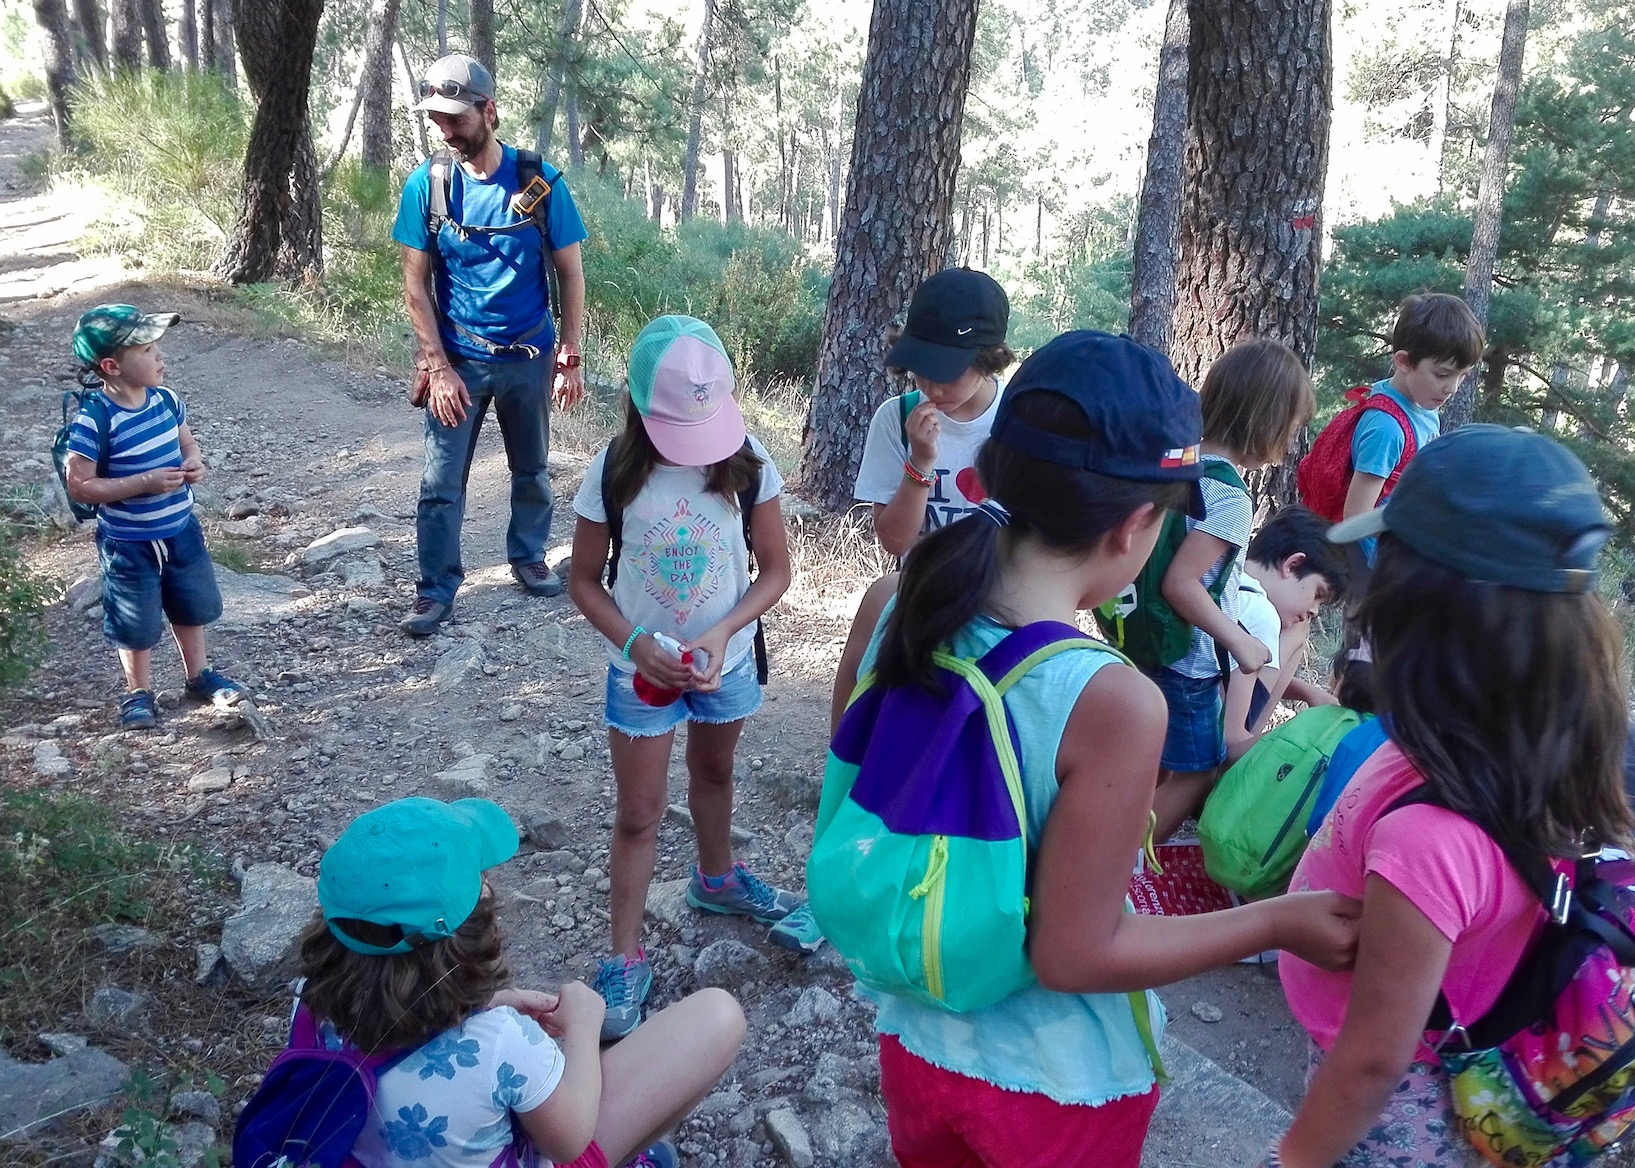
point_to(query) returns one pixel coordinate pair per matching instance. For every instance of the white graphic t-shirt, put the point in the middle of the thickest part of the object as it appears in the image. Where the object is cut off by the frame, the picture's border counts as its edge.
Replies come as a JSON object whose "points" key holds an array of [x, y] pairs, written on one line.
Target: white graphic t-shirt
{"points": [[449, 1104], [956, 492], [684, 564]]}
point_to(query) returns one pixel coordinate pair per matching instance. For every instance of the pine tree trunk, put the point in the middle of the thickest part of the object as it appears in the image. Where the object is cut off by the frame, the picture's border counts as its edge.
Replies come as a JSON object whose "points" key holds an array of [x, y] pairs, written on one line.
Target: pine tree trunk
{"points": [[417, 120], [482, 32], [152, 13], [896, 227], [442, 28], [278, 233], [731, 212], [59, 61], [207, 34], [187, 32], [1158, 218], [1484, 243], [127, 41], [224, 51], [695, 115], [1442, 94], [89, 21], [376, 89], [576, 143], [837, 142], [567, 50]]}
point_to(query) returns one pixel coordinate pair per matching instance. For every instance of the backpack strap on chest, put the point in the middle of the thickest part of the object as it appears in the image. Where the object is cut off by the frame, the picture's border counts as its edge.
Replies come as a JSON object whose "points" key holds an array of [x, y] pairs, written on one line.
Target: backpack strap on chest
{"points": [[1410, 441]]}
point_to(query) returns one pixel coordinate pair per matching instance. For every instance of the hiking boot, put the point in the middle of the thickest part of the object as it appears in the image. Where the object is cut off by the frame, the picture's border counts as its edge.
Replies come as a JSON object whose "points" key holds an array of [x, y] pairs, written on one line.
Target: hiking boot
{"points": [[742, 894], [798, 931], [428, 614], [624, 986], [138, 710], [538, 579], [217, 689], [661, 1155]]}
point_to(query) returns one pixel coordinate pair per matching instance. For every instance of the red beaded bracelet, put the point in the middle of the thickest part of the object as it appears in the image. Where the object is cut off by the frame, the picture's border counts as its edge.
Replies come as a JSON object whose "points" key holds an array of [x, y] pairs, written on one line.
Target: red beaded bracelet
{"points": [[914, 473]]}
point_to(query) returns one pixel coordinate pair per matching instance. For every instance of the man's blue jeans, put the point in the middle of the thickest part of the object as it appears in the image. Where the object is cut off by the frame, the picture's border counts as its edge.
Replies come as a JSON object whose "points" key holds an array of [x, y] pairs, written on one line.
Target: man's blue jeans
{"points": [[520, 391]]}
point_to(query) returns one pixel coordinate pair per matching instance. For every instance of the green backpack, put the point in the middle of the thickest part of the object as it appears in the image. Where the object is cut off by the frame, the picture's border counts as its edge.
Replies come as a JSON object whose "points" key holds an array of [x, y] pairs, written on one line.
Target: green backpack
{"points": [[1253, 828], [919, 868], [1139, 620]]}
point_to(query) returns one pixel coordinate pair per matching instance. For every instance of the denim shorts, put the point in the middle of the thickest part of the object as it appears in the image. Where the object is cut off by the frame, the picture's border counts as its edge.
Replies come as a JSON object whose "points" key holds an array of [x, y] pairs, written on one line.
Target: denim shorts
{"points": [[738, 698], [1193, 741], [144, 579]]}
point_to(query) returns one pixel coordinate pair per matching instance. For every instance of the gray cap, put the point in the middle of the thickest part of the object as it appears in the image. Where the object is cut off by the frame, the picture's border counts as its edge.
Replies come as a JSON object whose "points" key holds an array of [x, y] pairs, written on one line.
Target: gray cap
{"points": [[454, 84]]}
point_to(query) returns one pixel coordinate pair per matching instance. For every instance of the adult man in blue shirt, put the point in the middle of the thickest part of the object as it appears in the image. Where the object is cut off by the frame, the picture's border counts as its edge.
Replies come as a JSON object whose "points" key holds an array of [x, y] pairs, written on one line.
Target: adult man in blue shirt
{"points": [[479, 302]]}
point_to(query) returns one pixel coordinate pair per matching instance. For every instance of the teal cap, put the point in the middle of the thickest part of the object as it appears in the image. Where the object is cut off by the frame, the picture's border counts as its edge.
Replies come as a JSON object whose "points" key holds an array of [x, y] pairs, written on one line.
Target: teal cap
{"points": [[681, 382], [108, 328], [415, 863]]}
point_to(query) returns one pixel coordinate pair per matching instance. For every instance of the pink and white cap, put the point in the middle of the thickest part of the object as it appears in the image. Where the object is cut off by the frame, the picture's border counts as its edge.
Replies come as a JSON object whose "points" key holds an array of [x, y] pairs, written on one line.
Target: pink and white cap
{"points": [[682, 384]]}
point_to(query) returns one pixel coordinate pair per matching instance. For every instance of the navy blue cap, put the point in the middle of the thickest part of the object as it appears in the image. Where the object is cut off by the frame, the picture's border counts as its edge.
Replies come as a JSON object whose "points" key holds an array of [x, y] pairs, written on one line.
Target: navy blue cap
{"points": [[1145, 422], [954, 314], [1497, 505]]}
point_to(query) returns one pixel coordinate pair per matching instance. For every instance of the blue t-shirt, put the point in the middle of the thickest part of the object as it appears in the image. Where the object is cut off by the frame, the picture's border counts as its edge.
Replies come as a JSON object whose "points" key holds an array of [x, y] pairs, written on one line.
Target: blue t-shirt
{"points": [[1378, 441], [139, 440], [492, 283], [1354, 749]]}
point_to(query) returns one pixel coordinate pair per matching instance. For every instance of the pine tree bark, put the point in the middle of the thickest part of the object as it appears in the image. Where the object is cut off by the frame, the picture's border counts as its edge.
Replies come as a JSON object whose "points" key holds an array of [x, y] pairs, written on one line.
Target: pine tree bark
{"points": [[127, 40], [482, 32], [376, 93], [417, 120], [59, 61], [152, 14], [567, 44], [896, 229], [187, 32], [223, 52], [442, 28], [576, 141], [1484, 243], [1158, 217], [695, 115], [278, 233], [1442, 94], [93, 36]]}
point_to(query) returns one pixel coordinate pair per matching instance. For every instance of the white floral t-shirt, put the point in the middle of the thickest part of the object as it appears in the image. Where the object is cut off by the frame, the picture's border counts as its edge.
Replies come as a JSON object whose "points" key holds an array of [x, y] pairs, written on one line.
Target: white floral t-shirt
{"points": [[683, 564], [449, 1104]]}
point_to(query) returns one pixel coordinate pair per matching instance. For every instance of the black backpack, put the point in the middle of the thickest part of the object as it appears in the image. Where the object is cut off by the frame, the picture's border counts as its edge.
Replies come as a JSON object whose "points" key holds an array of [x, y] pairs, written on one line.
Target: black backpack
{"points": [[530, 166], [615, 528], [90, 400]]}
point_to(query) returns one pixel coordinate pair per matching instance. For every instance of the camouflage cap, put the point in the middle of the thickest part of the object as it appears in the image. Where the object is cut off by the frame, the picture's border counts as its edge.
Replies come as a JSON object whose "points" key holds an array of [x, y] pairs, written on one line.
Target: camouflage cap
{"points": [[107, 328]]}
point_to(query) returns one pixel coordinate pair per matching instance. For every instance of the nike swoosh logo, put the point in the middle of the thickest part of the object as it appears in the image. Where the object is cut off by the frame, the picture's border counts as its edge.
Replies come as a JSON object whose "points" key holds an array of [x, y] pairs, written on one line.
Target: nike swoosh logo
{"points": [[966, 329]]}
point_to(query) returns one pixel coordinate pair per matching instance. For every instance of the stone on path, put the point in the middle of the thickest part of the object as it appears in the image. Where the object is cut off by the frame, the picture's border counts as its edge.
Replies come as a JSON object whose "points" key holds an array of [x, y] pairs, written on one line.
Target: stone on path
{"points": [[117, 938], [466, 779], [251, 598], [362, 573], [667, 903], [85, 593], [259, 941], [1207, 1115], [814, 1005], [727, 963], [49, 762], [33, 1093], [212, 779], [456, 665], [192, 1141], [116, 1009], [338, 543], [789, 1136]]}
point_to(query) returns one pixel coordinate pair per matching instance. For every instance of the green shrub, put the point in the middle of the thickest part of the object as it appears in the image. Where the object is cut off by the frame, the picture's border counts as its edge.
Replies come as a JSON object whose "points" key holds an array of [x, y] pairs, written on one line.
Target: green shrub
{"points": [[23, 598]]}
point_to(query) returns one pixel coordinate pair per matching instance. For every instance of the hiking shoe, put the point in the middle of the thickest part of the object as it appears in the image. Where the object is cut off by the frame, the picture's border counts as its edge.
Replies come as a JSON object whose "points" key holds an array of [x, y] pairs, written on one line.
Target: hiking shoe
{"points": [[214, 687], [742, 894], [798, 931], [661, 1155], [624, 986], [428, 614], [538, 579], [138, 710]]}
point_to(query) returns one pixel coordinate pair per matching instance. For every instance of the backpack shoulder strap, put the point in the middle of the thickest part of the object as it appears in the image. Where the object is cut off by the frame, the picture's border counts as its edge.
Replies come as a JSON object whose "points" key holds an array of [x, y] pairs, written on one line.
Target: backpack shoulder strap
{"points": [[1031, 646], [906, 404], [746, 504], [1410, 441], [1223, 472], [615, 515], [439, 177], [96, 405]]}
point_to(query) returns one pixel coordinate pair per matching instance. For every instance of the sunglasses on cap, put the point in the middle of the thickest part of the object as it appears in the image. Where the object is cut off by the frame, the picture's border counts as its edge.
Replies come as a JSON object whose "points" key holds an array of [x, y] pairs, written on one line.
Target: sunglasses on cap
{"points": [[448, 87]]}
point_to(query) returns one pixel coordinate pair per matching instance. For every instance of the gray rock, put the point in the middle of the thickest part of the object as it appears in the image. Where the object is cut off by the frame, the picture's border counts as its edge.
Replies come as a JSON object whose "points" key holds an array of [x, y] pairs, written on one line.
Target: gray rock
{"points": [[849, 1133], [727, 1100], [726, 963], [556, 862], [250, 599], [85, 593], [192, 1140], [259, 941], [789, 1136], [510, 712], [546, 832], [64, 1044], [363, 573], [115, 1009], [800, 790], [457, 665], [571, 753], [667, 903], [798, 840], [466, 779], [33, 1094], [247, 528], [338, 543], [123, 938], [196, 1105], [213, 779], [243, 509], [1206, 1012], [814, 1005], [1206, 1115], [49, 762], [206, 960]]}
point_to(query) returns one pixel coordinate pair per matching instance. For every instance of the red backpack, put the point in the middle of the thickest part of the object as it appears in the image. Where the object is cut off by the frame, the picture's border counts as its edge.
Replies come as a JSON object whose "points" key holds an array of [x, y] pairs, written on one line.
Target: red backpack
{"points": [[1324, 476]]}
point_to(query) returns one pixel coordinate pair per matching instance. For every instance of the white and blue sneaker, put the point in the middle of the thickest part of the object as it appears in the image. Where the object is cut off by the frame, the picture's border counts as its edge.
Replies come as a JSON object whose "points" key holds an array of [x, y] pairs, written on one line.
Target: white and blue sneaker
{"points": [[624, 986], [741, 893], [798, 931]]}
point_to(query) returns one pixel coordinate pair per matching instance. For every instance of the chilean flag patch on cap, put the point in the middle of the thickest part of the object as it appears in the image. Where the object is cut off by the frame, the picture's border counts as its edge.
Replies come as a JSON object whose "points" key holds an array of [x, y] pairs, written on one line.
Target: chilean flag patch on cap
{"points": [[1179, 457]]}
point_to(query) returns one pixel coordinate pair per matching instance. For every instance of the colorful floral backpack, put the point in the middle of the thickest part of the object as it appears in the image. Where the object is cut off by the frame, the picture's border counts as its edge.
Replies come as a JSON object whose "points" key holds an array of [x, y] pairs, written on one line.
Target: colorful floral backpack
{"points": [[1547, 1076]]}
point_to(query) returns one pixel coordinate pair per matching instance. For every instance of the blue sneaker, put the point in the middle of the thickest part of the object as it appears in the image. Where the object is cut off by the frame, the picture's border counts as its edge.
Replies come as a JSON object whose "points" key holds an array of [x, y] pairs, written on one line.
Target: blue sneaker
{"points": [[742, 894], [798, 931], [624, 986], [138, 711], [214, 687], [661, 1155]]}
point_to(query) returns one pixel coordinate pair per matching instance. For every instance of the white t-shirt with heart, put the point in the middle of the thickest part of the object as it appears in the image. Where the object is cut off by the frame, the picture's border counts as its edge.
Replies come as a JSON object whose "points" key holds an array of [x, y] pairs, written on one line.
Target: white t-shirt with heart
{"points": [[956, 491]]}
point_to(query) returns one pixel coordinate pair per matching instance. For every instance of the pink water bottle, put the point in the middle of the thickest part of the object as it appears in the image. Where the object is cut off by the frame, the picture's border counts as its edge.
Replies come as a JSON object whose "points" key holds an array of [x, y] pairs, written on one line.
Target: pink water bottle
{"points": [[654, 695]]}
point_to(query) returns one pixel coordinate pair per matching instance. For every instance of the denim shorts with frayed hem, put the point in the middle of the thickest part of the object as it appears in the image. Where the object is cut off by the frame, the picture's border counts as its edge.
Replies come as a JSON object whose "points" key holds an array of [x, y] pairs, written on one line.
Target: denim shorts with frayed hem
{"points": [[738, 698], [1193, 741], [144, 581]]}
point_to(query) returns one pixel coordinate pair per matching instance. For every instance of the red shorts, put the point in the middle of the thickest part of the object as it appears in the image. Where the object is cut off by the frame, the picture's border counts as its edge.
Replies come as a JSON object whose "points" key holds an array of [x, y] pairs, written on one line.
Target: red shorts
{"points": [[940, 1119], [591, 1157]]}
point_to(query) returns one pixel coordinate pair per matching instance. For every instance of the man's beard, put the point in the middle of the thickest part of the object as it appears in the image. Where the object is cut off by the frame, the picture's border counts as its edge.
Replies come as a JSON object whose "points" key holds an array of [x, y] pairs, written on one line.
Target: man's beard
{"points": [[469, 147]]}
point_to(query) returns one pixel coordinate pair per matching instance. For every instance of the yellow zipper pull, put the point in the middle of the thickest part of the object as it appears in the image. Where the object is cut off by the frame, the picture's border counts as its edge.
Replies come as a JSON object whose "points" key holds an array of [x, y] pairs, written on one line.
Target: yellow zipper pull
{"points": [[933, 870], [1149, 847]]}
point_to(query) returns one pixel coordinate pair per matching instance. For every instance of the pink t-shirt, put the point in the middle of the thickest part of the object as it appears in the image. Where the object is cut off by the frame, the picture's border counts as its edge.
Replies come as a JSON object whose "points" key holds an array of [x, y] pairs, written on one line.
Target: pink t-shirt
{"points": [[1446, 866]]}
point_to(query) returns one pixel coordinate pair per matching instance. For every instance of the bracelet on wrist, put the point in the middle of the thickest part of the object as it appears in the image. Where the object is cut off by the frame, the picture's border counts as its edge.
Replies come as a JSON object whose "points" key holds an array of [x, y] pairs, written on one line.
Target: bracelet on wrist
{"points": [[915, 474], [631, 640]]}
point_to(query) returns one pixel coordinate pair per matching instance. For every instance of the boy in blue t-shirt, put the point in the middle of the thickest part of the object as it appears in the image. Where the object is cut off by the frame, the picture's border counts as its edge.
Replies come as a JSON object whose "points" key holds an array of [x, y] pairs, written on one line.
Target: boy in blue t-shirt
{"points": [[136, 466], [1436, 342]]}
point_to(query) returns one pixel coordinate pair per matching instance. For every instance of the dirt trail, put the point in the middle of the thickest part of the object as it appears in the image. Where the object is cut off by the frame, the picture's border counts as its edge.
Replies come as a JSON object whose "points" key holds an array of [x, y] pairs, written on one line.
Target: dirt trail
{"points": [[507, 702]]}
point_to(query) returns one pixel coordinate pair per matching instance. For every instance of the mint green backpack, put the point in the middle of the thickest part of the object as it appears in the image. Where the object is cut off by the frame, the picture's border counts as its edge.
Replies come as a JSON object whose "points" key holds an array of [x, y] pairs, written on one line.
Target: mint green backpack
{"points": [[919, 869], [1253, 828]]}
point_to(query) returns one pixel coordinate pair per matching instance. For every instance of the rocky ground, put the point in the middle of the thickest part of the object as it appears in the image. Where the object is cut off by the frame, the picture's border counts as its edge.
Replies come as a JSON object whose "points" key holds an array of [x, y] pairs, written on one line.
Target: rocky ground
{"points": [[308, 508]]}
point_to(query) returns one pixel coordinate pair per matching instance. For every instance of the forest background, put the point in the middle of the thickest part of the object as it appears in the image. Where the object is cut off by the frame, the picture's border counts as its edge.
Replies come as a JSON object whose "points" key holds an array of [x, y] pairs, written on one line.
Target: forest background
{"points": [[708, 144]]}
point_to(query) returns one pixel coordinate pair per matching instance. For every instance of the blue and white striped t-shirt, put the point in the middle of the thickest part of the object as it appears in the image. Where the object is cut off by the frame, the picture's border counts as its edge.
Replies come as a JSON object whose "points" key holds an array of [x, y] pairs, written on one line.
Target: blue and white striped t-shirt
{"points": [[139, 440]]}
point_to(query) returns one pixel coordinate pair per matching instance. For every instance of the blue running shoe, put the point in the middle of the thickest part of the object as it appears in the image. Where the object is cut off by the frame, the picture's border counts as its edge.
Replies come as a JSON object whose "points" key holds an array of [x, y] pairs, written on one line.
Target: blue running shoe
{"points": [[661, 1155], [742, 894], [214, 687], [138, 711], [798, 931], [624, 986]]}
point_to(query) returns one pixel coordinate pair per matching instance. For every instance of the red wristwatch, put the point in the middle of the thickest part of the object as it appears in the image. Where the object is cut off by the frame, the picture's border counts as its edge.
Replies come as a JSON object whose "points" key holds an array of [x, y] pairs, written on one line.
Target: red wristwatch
{"points": [[568, 361]]}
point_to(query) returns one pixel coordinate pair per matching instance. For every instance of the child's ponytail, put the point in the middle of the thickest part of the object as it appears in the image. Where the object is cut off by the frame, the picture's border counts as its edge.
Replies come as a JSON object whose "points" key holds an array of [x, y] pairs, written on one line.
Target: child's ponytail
{"points": [[946, 582]]}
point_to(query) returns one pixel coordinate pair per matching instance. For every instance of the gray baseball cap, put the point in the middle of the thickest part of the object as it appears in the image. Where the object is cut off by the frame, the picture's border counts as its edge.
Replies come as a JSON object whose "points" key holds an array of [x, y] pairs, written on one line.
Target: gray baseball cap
{"points": [[453, 84]]}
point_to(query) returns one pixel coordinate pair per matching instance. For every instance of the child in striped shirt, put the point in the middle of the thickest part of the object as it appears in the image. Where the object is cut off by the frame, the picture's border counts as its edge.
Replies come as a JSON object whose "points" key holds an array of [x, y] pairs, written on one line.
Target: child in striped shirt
{"points": [[132, 454]]}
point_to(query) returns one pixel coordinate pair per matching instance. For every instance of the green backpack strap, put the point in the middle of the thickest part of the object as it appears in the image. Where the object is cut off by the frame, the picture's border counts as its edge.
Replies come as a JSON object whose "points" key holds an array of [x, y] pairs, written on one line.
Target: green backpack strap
{"points": [[906, 405]]}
